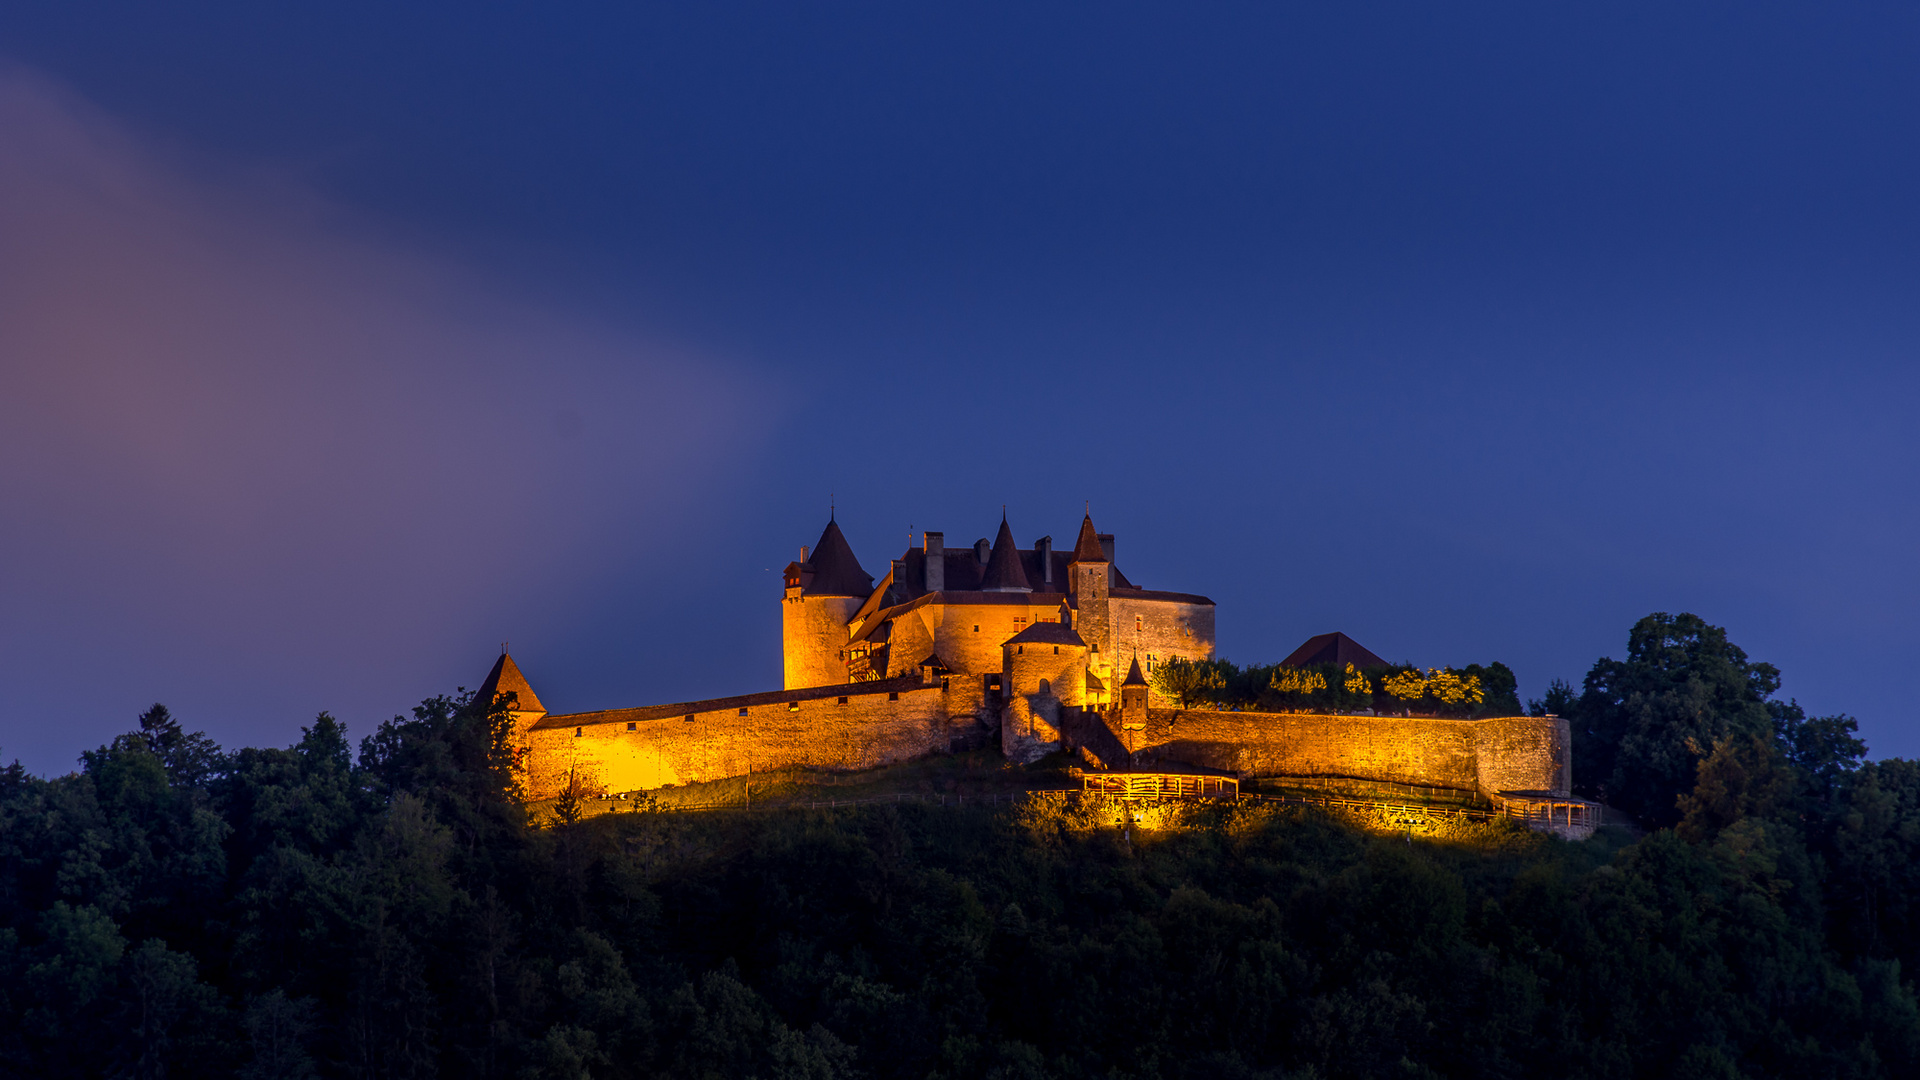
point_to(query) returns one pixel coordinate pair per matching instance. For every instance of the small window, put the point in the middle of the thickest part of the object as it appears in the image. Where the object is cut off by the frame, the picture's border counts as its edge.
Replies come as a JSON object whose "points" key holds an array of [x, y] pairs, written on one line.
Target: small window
{"points": [[631, 726], [1056, 650], [943, 682], [976, 629], [893, 695], [793, 706], [1096, 646], [1137, 622], [843, 701], [1020, 649], [576, 733], [689, 718], [743, 710]]}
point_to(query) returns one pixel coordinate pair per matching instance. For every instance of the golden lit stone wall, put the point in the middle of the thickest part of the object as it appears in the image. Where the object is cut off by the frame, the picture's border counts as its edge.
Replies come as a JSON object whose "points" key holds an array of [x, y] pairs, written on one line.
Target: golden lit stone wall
{"points": [[1159, 629], [813, 639], [1031, 726], [1505, 754], [869, 730]]}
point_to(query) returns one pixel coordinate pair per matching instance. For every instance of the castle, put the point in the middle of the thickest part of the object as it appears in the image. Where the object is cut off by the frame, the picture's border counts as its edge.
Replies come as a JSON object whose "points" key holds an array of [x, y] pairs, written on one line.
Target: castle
{"points": [[1034, 650]]}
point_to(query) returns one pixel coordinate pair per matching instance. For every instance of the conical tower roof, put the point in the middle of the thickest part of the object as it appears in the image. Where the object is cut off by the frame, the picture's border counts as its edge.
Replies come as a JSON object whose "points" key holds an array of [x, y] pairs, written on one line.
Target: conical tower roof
{"points": [[835, 571], [505, 678], [1004, 572], [1087, 548], [1134, 678]]}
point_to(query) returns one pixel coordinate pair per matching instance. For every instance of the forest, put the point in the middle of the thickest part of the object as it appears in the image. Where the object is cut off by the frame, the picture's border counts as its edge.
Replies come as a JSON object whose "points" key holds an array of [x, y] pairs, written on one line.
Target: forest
{"points": [[392, 909]]}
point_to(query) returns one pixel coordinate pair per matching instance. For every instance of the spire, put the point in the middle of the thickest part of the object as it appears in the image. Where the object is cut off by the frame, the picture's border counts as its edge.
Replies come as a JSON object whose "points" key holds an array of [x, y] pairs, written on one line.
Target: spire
{"points": [[1087, 548], [1134, 678], [505, 678], [835, 570], [1004, 572]]}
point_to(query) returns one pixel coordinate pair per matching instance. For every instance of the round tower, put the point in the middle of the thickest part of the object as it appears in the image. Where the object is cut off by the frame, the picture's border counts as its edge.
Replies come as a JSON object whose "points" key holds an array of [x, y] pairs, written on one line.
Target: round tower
{"points": [[824, 590]]}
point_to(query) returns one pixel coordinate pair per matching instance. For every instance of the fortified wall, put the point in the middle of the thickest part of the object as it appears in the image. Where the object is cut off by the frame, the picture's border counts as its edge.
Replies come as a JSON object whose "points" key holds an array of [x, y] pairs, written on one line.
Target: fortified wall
{"points": [[854, 726], [1491, 756]]}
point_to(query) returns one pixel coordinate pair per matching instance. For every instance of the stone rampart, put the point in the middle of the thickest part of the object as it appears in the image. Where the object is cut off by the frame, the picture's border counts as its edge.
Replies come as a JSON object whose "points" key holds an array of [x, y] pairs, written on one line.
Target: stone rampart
{"points": [[1521, 753], [855, 726]]}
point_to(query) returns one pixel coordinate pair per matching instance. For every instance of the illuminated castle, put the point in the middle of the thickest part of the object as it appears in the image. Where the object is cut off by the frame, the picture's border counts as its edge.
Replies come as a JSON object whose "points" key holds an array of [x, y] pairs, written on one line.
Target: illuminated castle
{"points": [[1026, 632], [1032, 650]]}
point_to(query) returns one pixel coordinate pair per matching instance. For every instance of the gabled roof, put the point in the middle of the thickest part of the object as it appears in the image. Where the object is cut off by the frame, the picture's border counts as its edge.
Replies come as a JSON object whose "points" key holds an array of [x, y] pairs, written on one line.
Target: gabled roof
{"points": [[835, 571], [1087, 548], [1047, 633], [1094, 683], [1004, 573], [1134, 678], [1333, 648], [505, 678]]}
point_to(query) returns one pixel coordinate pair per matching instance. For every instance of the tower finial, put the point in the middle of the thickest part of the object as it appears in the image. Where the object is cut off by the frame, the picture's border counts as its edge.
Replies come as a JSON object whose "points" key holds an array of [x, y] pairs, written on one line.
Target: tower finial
{"points": [[503, 648], [830, 508]]}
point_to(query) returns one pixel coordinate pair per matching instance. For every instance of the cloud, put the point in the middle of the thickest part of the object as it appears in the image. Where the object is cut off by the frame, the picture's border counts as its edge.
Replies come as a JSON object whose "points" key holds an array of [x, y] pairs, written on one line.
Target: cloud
{"points": [[250, 451]]}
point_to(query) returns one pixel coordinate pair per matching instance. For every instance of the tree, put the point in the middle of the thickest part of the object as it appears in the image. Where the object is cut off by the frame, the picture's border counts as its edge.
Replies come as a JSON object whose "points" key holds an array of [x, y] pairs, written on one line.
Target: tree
{"points": [[1186, 681], [1644, 723]]}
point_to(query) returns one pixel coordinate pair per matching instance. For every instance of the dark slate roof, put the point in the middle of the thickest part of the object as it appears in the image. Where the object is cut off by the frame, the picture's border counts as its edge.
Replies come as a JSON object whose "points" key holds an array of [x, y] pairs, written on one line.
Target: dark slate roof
{"points": [[1087, 548], [1333, 649], [903, 684], [835, 571], [505, 678], [1093, 681], [1004, 572], [1047, 633], [1134, 678], [1127, 592]]}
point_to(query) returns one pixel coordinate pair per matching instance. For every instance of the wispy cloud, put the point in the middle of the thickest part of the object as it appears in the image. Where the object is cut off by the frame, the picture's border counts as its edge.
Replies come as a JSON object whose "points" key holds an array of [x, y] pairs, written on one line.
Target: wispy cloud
{"points": [[248, 448]]}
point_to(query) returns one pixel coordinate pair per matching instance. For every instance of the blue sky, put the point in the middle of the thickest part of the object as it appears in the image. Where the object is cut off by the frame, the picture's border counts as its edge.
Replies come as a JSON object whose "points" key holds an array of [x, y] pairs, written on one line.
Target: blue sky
{"points": [[350, 341]]}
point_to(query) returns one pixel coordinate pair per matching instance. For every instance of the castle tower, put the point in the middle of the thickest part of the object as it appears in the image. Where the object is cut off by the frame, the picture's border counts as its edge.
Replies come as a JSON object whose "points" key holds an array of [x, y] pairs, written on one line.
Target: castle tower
{"points": [[823, 593], [522, 707], [1133, 707], [1089, 575], [1004, 572]]}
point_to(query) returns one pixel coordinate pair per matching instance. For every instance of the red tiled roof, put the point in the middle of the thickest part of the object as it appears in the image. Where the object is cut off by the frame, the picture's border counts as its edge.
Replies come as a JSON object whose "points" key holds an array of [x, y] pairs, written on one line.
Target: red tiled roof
{"points": [[1333, 648], [505, 678]]}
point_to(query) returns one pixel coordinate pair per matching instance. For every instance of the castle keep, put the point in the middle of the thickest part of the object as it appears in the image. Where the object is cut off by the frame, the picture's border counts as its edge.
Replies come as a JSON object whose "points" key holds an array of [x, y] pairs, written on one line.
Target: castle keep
{"points": [[1032, 650]]}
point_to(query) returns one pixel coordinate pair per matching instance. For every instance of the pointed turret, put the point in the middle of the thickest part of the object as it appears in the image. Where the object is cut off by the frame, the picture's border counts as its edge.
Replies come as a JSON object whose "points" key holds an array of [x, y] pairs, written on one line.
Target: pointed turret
{"points": [[835, 571], [1004, 573], [1087, 548], [505, 678], [1134, 678], [1089, 575]]}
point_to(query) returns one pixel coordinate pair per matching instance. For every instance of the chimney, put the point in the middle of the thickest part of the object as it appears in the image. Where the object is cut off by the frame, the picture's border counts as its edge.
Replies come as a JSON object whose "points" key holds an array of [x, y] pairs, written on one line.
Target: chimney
{"points": [[897, 582], [1043, 547], [981, 549], [803, 553], [936, 548], [1106, 545]]}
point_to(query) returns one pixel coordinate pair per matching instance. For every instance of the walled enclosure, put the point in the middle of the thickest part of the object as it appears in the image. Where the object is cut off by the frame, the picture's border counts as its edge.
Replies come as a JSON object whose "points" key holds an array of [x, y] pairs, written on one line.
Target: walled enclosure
{"points": [[880, 723], [1502, 754]]}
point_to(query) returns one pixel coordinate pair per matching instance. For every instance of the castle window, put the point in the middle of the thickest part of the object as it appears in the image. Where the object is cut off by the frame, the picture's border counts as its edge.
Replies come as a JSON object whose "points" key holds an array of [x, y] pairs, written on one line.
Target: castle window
{"points": [[943, 681], [631, 726], [1020, 649], [1019, 620], [1137, 622], [689, 718], [976, 629], [743, 710], [576, 733], [1056, 650], [893, 696], [793, 706], [843, 701]]}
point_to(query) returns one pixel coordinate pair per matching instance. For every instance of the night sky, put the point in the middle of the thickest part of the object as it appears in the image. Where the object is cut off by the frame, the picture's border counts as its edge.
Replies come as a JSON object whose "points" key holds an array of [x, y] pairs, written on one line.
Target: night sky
{"points": [[339, 345]]}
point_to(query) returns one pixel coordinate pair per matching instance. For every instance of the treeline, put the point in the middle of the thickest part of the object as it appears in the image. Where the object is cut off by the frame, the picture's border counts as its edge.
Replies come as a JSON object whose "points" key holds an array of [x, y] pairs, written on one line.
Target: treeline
{"points": [[1468, 692], [171, 909]]}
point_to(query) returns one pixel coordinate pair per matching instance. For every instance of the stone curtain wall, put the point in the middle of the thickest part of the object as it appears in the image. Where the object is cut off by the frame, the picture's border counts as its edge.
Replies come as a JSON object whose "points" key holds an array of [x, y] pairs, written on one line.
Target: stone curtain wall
{"points": [[869, 730], [1506, 754], [1165, 629]]}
